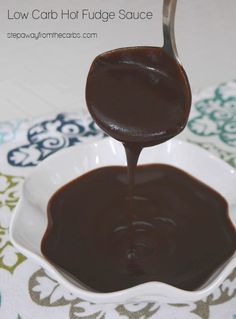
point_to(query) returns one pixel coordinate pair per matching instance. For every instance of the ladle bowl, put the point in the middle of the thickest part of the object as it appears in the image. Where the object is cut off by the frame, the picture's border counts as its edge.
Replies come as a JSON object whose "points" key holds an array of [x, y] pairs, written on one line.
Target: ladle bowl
{"points": [[141, 94]]}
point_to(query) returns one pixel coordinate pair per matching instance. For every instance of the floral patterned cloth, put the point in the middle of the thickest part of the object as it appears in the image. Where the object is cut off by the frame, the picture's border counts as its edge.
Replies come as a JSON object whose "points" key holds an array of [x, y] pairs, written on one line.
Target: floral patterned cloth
{"points": [[28, 291]]}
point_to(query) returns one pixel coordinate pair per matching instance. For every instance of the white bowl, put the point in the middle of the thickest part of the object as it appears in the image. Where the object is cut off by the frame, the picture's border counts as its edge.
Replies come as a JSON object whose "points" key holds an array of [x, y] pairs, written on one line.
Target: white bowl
{"points": [[30, 219]]}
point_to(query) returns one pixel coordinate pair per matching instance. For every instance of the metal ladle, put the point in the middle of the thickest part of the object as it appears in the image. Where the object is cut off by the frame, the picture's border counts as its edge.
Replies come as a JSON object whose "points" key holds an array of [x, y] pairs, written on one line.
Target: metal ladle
{"points": [[168, 22]]}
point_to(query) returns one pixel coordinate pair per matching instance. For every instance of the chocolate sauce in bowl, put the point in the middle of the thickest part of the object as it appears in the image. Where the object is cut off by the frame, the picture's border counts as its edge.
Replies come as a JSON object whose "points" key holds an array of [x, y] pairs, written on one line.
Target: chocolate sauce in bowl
{"points": [[112, 230], [181, 229]]}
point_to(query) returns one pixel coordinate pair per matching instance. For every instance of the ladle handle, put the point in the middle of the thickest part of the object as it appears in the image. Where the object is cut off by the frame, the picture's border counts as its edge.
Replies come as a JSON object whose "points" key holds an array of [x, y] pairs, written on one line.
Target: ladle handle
{"points": [[168, 21]]}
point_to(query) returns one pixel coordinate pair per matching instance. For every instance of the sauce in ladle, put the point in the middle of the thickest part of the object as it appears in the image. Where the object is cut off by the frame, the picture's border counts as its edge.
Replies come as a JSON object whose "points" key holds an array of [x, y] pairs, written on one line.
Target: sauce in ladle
{"points": [[138, 95]]}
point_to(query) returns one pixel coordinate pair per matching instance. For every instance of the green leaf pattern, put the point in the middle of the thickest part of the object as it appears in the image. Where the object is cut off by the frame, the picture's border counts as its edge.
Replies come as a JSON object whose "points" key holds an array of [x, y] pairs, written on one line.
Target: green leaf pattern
{"points": [[10, 258], [45, 291], [216, 115]]}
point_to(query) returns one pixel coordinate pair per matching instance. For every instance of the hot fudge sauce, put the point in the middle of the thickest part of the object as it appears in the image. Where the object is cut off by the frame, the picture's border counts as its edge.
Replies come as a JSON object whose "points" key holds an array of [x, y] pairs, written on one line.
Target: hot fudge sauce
{"points": [[165, 226], [138, 95], [181, 229], [141, 97]]}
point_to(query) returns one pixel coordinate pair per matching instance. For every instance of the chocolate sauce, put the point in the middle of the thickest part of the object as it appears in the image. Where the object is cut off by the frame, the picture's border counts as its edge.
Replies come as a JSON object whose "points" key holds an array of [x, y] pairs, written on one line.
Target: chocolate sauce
{"points": [[141, 97], [138, 95], [182, 232], [169, 227]]}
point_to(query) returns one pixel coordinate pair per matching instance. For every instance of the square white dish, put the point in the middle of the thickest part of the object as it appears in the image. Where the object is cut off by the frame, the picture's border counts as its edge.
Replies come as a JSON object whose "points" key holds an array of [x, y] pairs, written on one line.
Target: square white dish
{"points": [[30, 219]]}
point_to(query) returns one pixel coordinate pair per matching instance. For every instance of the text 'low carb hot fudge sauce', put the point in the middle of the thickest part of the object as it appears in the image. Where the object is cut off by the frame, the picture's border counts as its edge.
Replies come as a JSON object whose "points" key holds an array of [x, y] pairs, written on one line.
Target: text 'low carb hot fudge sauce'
{"points": [[112, 230]]}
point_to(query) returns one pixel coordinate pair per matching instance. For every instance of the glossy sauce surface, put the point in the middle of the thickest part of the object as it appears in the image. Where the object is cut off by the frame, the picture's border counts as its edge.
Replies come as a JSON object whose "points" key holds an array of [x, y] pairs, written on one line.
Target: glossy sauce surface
{"points": [[181, 230], [138, 95], [112, 230], [141, 97]]}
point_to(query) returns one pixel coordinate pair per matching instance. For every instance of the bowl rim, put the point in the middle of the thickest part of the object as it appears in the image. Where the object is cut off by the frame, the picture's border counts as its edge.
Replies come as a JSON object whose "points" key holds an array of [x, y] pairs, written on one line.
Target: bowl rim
{"points": [[149, 291]]}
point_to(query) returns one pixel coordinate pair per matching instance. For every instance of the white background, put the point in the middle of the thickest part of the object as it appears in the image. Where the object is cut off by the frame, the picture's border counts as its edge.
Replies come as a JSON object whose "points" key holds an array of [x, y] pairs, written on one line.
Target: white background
{"points": [[38, 77]]}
